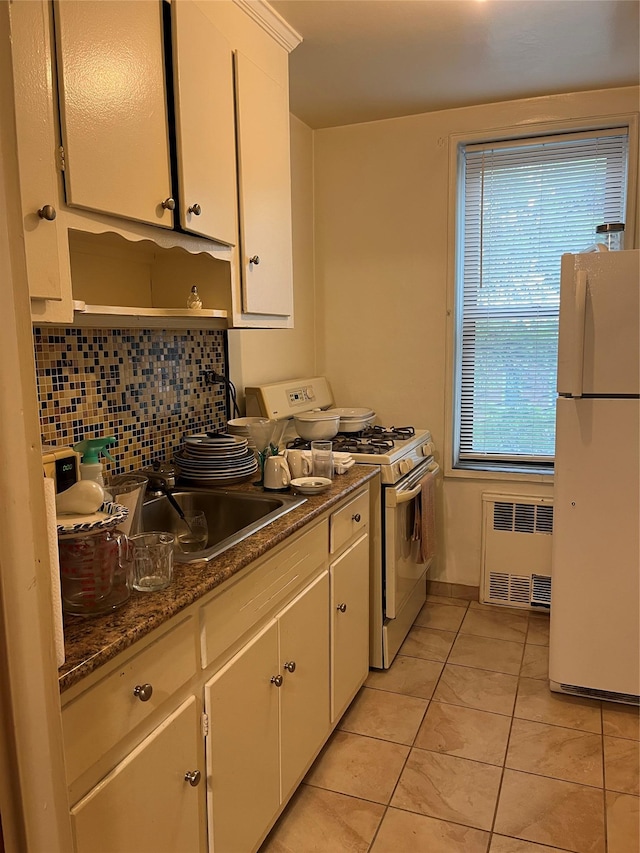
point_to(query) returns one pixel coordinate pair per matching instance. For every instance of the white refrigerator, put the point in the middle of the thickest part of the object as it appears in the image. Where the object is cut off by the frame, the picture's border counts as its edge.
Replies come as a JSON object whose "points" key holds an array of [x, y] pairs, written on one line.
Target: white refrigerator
{"points": [[594, 647]]}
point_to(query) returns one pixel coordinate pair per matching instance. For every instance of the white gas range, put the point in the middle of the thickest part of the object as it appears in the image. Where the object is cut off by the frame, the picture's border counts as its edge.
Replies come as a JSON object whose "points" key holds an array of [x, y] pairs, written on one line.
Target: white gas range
{"points": [[404, 457]]}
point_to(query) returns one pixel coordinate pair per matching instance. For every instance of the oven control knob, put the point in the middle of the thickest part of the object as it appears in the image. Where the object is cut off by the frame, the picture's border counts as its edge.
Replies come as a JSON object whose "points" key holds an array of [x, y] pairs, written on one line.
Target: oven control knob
{"points": [[427, 449], [406, 465]]}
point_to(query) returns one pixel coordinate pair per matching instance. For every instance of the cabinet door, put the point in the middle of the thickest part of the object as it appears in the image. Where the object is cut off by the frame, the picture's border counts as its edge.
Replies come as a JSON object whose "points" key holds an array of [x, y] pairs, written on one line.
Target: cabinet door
{"points": [[242, 745], [350, 635], [304, 697], [264, 175], [113, 108], [146, 804], [205, 125], [36, 146]]}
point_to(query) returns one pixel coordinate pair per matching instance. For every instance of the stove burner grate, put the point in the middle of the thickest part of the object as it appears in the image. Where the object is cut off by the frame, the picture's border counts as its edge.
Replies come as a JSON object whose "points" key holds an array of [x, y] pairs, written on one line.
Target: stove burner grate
{"points": [[357, 443], [374, 440], [400, 433]]}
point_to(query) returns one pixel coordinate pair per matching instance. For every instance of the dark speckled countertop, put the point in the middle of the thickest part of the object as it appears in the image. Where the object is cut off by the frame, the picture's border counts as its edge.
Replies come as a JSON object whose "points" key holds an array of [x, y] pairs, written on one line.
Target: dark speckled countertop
{"points": [[93, 641]]}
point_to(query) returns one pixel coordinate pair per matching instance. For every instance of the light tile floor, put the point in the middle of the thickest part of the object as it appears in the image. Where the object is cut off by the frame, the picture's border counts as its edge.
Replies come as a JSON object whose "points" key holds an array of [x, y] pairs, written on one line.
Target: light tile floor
{"points": [[461, 748]]}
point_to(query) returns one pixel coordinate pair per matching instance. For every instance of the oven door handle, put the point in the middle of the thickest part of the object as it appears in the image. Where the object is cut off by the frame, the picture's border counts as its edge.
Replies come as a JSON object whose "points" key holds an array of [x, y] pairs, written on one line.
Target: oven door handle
{"points": [[397, 498]]}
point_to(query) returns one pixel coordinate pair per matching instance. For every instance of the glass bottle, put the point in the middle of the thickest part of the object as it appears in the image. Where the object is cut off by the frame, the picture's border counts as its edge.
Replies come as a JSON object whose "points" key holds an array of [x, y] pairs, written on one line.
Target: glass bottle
{"points": [[611, 235], [193, 300]]}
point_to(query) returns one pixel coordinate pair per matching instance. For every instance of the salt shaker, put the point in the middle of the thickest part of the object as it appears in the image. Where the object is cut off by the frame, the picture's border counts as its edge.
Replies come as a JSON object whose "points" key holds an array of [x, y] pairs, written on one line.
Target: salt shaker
{"points": [[193, 300]]}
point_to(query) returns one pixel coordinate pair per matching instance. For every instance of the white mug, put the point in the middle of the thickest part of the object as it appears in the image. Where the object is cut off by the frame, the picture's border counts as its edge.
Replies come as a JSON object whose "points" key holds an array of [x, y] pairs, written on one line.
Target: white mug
{"points": [[276, 473], [299, 463]]}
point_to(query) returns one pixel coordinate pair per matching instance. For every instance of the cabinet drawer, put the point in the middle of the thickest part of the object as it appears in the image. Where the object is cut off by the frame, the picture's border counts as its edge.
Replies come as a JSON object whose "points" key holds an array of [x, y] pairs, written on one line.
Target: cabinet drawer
{"points": [[232, 613], [95, 721], [349, 521]]}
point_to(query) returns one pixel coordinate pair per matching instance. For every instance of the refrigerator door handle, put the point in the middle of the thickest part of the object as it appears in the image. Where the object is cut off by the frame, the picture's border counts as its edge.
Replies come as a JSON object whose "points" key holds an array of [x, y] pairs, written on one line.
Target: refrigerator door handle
{"points": [[580, 310]]}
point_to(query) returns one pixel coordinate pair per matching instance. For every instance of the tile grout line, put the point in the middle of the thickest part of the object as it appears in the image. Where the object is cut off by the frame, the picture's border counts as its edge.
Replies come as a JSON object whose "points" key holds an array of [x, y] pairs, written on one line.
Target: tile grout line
{"points": [[604, 779], [435, 686]]}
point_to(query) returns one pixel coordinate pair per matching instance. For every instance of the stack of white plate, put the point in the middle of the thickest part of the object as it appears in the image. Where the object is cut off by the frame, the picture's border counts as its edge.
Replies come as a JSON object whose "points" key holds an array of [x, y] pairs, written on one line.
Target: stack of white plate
{"points": [[215, 459], [240, 426]]}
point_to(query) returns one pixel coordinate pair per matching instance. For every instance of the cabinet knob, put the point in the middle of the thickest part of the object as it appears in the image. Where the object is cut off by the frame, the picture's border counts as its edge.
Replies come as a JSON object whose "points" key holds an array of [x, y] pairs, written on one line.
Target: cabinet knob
{"points": [[168, 204], [47, 212], [342, 608], [195, 209], [143, 692], [254, 259], [357, 517], [290, 666], [192, 777], [277, 680]]}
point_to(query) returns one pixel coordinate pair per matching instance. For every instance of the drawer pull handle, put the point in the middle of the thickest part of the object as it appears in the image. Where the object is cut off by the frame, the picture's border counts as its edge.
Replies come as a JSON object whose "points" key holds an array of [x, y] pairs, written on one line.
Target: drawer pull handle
{"points": [[290, 666], [342, 608], [277, 680], [195, 209], [192, 777], [357, 517], [47, 212], [168, 204], [143, 692], [255, 260]]}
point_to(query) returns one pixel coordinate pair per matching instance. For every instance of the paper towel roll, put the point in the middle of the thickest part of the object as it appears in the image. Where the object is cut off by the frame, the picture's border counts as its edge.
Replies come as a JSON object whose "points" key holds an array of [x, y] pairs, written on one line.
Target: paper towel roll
{"points": [[54, 562]]}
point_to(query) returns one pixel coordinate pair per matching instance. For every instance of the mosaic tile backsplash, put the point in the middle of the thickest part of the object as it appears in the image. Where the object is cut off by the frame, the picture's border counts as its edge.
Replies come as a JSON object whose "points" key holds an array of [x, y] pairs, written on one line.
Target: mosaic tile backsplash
{"points": [[143, 386]]}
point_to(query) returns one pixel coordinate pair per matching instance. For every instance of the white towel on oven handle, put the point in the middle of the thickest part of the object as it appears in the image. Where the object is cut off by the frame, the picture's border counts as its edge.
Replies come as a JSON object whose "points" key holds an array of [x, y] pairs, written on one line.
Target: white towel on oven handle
{"points": [[424, 519]]}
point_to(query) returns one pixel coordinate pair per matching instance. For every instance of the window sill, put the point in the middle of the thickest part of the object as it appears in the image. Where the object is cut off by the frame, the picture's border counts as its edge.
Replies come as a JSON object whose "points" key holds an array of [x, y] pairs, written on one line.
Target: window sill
{"points": [[502, 475]]}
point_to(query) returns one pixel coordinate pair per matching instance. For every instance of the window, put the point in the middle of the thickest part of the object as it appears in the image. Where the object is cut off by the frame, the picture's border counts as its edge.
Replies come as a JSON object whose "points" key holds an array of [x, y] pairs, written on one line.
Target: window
{"points": [[522, 204]]}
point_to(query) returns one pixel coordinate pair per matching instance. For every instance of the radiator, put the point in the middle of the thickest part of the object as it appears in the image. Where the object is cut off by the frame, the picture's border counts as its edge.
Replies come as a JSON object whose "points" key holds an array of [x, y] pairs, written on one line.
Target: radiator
{"points": [[516, 550]]}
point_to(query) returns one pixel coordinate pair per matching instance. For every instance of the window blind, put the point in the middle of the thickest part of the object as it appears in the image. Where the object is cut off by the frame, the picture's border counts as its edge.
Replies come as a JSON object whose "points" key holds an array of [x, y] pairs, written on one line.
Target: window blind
{"points": [[524, 204]]}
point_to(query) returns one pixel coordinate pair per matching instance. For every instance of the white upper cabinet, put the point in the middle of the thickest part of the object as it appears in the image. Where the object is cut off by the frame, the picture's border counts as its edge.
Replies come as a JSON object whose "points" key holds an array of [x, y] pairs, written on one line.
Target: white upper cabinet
{"points": [[152, 124], [35, 132], [114, 109], [264, 183], [204, 117]]}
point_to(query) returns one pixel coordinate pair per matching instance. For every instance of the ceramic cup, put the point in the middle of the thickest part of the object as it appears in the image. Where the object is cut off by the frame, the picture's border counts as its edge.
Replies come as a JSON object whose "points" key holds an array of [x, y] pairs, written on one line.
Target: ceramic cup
{"points": [[299, 463], [276, 473], [322, 459], [152, 558]]}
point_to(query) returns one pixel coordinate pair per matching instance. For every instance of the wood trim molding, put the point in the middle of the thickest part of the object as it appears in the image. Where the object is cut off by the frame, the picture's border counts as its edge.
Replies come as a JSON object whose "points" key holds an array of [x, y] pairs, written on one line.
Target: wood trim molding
{"points": [[270, 21]]}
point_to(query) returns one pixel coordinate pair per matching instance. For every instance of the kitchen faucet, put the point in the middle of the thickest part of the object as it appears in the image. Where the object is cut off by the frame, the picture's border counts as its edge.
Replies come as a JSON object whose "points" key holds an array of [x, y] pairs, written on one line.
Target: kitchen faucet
{"points": [[161, 476]]}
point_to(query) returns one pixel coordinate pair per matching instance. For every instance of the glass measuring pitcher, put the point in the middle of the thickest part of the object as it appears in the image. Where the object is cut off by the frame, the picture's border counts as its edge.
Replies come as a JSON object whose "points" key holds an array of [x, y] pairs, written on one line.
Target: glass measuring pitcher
{"points": [[95, 571]]}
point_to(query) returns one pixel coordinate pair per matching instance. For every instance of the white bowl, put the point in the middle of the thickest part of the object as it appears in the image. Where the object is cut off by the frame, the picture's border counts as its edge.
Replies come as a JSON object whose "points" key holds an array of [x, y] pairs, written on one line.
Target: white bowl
{"points": [[354, 420], [242, 424], [314, 426], [311, 485]]}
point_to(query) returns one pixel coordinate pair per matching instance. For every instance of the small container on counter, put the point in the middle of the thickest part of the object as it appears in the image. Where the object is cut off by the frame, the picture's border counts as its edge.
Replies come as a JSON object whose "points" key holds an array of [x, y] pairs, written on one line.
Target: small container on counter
{"points": [[611, 236]]}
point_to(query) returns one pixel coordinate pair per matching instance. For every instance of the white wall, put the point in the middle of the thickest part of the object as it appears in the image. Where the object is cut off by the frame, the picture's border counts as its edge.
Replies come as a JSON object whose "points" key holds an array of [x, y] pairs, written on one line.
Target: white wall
{"points": [[257, 356], [382, 268]]}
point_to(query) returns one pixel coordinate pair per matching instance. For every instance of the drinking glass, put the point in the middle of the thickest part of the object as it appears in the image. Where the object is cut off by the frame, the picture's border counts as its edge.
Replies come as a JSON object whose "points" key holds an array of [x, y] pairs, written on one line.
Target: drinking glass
{"points": [[152, 557], [322, 459], [192, 532]]}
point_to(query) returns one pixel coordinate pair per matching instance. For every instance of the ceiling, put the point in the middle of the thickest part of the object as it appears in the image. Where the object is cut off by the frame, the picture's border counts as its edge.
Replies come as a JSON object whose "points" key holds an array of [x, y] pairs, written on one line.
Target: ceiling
{"points": [[363, 60]]}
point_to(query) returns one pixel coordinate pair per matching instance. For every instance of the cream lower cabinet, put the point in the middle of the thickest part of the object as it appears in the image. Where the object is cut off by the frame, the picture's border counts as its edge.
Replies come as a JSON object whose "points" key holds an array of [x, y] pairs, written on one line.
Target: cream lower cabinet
{"points": [[152, 800], [349, 571], [268, 715], [273, 657], [350, 624]]}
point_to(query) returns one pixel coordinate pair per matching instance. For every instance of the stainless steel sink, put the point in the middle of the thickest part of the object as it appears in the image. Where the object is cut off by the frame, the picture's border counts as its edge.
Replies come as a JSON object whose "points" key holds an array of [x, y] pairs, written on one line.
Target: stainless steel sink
{"points": [[231, 516]]}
